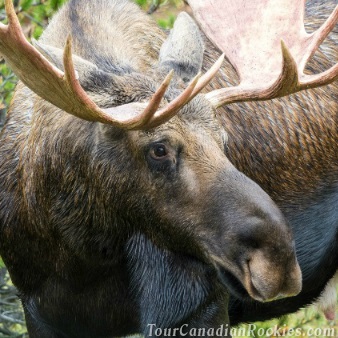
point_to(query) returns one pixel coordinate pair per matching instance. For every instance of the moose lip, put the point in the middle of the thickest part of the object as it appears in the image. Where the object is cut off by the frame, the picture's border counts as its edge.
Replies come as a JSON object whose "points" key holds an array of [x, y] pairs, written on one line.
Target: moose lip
{"points": [[239, 289], [233, 284], [251, 288]]}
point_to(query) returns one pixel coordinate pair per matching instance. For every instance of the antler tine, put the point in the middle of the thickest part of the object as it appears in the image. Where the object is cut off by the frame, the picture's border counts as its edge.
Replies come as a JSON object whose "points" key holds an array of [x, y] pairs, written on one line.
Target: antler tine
{"points": [[155, 101], [193, 89], [252, 48], [142, 120], [63, 89], [208, 76], [79, 94], [17, 51], [13, 20], [286, 83], [317, 80], [138, 122], [316, 38], [172, 108]]}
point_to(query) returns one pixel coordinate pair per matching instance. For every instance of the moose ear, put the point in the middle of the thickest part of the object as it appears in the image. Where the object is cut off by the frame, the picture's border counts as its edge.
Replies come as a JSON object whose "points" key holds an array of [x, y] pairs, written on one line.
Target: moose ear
{"points": [[183, 50], [55, 56]]}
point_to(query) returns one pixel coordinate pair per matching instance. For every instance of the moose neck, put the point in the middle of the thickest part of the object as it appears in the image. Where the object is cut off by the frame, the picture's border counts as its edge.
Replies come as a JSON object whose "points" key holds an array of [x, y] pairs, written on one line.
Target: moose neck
{"points": [[290, 149]]}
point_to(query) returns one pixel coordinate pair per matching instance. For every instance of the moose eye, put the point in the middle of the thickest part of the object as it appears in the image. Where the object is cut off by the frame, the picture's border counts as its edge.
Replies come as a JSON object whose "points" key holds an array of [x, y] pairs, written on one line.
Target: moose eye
{"points": [[162, 159], [159, 151]]}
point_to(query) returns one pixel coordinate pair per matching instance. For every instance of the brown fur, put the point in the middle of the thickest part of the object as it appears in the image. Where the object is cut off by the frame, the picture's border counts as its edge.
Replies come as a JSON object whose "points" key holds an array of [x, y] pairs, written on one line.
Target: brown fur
{"points": [[287, 145]]}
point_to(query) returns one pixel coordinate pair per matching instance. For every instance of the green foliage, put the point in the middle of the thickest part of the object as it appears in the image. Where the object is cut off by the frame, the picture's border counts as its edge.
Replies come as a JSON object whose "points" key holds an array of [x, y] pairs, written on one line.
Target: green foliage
{"points": [[12, 323], [306, 321], [167, 22], [142, 3], [25, 4], [34, 15], [55, 4], [147, 4], [7, 84]]}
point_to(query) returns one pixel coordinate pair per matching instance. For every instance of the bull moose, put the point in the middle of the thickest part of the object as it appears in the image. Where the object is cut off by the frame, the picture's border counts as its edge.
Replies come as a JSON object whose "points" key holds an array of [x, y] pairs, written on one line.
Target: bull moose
{"points": [[127, 179]]}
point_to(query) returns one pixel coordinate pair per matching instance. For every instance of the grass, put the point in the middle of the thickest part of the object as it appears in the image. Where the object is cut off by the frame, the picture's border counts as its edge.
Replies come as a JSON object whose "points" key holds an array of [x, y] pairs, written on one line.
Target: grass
{"points": [[12, 322], [305, 323]]}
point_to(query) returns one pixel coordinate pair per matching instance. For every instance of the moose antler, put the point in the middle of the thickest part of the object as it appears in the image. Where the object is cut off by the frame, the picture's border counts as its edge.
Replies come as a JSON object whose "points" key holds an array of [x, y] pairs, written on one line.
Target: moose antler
{"points": [[64, 90], [251, 34]]}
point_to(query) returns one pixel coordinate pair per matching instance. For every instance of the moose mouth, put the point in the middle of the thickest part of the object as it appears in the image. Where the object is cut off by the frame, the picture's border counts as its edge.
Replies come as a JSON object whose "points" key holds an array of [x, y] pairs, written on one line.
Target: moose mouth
{"points": [[245, 291], [235, 287]]}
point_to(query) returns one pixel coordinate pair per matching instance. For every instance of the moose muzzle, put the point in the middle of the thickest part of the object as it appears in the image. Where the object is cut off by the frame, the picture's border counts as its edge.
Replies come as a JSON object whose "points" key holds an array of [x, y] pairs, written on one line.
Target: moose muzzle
{"points": [[254, 250]]}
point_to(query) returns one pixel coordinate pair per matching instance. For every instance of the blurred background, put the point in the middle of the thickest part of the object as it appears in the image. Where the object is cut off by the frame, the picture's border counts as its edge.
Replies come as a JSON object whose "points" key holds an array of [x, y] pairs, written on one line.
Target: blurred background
{"points": [[34, 16]]}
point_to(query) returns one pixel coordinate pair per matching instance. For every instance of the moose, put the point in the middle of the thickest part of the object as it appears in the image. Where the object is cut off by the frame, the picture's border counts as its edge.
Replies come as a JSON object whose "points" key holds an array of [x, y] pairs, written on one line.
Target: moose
{"points": [[135, 191]]}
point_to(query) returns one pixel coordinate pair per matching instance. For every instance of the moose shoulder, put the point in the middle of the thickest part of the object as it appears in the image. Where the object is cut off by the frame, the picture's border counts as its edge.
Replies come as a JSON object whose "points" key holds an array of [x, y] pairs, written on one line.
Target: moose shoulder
{"points": [[125, 207]]}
